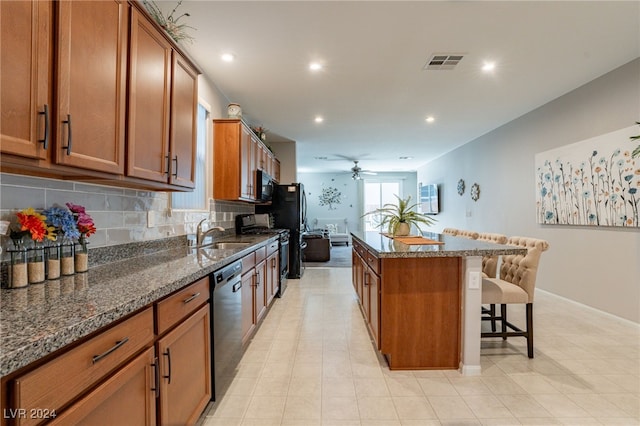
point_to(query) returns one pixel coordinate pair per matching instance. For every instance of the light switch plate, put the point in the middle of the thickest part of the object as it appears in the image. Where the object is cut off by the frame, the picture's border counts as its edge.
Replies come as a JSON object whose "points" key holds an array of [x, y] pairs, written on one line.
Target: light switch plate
{"points": [[474, 280], [151, 222], [4, 227]]}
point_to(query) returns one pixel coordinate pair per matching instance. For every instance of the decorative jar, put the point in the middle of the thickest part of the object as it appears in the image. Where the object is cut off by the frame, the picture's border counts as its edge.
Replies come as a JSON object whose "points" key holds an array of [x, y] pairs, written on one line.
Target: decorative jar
{"points": [[67, 254], [82, 256], [18, 277], [53, 260], [35, 265]]}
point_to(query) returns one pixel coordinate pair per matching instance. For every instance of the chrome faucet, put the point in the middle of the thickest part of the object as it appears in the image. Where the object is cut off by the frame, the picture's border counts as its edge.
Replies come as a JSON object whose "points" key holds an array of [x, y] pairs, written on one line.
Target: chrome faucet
{"points": [[201, 235]]}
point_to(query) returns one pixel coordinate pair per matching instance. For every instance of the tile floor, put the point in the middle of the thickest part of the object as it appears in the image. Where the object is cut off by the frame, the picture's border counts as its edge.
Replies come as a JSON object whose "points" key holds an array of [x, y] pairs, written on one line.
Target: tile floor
{"points": [[312, 363]]}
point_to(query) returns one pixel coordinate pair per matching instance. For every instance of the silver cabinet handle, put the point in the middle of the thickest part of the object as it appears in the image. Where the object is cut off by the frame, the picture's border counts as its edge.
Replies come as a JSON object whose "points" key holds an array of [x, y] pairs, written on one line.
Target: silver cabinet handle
{"points": [[118, 344], [189, 299]]}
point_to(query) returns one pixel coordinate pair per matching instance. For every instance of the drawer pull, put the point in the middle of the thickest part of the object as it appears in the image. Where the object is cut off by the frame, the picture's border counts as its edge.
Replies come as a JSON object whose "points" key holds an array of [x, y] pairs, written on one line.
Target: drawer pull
{"points": [[168, 355], [118, 344], [189, 299], [156, 377]]}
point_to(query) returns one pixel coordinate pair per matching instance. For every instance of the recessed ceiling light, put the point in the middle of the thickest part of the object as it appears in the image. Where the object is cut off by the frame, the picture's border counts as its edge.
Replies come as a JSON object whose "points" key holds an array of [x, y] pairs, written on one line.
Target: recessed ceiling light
{"points": [[430, 119], [320, 158], [228, 57], [405, 158], [315, 66], [318, 119], [488, 66]]}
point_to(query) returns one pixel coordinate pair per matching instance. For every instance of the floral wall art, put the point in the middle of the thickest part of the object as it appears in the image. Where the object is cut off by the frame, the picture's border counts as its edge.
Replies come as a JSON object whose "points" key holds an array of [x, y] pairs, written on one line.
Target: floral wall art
{"points": [[593, 182]]}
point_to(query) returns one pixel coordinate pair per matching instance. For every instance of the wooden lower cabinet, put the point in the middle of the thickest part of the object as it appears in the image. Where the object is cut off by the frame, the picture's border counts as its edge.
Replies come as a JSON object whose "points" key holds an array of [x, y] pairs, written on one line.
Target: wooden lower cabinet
{"points": [[126, 398], [185, 370], [273, 276], [412, 307]]}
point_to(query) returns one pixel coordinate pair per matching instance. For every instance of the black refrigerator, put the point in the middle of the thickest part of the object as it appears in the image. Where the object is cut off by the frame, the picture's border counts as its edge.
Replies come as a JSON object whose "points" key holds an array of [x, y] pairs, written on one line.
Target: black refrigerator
{"points": [[289, 211]]}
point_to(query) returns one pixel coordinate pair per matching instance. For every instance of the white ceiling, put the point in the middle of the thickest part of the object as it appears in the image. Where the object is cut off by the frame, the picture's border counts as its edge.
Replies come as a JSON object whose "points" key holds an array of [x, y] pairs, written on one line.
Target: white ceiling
{"points": [[373, 92]]}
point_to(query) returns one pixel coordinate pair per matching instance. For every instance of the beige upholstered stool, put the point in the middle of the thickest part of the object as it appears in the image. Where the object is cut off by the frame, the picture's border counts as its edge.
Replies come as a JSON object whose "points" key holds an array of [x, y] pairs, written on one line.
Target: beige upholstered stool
{"points": [[490, 263], [472, 235], [516, 284]]}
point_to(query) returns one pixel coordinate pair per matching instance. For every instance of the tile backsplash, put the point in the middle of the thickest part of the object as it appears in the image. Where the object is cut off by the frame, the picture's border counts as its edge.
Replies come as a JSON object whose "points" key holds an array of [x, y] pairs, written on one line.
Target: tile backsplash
{"points": [[121, 215]]}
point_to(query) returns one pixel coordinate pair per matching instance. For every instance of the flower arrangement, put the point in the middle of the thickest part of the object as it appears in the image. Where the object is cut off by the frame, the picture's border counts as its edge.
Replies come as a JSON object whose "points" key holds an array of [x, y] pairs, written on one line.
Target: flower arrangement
{"points": [[84, 223], [34, 224], [329, 197], [62, 219], [176, 30]]}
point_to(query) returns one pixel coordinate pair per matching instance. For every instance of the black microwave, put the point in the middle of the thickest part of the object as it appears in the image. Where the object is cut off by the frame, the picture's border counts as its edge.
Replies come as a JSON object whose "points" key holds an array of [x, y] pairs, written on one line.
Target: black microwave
{"points": [[264, 186]]}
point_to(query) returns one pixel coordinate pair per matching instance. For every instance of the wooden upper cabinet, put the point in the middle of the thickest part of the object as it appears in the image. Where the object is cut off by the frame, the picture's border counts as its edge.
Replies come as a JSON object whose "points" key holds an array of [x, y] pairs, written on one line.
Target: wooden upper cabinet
{"points": [[25, 66], [149, 101], [163, 94], [91, 84], [184, 112]]}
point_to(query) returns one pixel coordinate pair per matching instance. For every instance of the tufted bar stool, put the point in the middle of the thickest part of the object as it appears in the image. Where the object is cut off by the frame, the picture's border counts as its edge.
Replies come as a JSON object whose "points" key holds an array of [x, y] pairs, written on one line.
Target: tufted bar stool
{"points": [[450, 231], [516, 285], [490, 263], [472, 235]]}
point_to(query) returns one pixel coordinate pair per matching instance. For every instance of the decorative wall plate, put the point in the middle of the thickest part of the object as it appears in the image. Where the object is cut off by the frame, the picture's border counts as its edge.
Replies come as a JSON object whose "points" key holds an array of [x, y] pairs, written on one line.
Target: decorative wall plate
{"points": [[461, 187], [475, 192]]}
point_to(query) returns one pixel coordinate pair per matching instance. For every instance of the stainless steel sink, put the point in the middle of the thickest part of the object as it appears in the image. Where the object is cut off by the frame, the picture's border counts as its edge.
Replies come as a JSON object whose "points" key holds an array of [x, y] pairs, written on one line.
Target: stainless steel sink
{"points": [[228, 245]]}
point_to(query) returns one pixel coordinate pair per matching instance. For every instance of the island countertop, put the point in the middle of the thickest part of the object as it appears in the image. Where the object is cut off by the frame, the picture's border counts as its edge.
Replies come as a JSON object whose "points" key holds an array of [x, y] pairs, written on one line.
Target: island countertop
{"points": [[384, 246], [42, 318]]}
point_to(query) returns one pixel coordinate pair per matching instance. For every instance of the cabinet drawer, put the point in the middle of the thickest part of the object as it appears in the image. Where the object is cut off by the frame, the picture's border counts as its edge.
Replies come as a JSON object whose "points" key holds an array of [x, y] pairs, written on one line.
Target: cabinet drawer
{"points": [[373, 262], [248, 263], [261, 254], [360, 250], [59, 381], [271, 248], [181, 304]]}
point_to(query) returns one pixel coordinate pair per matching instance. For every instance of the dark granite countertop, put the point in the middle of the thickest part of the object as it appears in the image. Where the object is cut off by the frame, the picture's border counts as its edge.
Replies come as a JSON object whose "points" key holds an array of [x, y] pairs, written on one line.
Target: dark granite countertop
{"points": [[384, 246], [41, 318]]}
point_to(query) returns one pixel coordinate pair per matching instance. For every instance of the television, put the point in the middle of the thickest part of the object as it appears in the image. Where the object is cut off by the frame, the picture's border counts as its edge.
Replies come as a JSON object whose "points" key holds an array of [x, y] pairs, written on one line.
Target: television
{"points": [[429, 203]]}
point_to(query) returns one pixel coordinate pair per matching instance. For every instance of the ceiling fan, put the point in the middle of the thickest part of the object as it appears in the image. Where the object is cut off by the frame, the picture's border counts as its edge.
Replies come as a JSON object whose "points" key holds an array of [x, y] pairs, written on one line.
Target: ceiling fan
{"points": [[356, 171]]}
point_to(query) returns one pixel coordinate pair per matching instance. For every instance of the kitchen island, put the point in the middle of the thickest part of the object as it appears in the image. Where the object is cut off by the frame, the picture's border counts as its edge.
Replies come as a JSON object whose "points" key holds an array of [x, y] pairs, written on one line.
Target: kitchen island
{"points": [[422, 301]]}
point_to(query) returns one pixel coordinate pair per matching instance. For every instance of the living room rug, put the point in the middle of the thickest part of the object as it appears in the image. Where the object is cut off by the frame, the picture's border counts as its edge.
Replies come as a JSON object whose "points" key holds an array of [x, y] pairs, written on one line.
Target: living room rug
{"points": [[340, 258]]}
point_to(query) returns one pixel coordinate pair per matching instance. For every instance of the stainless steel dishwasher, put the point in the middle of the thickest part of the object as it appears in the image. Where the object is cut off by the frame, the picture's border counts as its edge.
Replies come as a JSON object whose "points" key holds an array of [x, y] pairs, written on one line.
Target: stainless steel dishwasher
{"points": [[227, 326]]}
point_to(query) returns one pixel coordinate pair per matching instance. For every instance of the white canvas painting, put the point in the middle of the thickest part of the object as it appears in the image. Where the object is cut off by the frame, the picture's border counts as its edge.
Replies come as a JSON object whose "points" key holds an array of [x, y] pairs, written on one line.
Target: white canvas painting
{"points": [[593, 182]]}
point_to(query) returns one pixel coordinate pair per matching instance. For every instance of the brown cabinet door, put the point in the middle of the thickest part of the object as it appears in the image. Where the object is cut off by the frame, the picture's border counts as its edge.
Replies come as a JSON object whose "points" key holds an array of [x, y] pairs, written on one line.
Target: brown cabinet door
{"points": [[25, 65], [247, 159], [248, 322], [260, 291], [128, 397], [273, 276], [185, 370], [374, 306], [149, 86], [184, 111], [91, 84]]}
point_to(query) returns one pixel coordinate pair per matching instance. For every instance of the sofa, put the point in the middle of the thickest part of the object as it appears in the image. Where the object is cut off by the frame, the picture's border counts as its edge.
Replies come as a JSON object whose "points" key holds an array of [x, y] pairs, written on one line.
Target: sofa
{"points": [[318, 247], [336, 229]]}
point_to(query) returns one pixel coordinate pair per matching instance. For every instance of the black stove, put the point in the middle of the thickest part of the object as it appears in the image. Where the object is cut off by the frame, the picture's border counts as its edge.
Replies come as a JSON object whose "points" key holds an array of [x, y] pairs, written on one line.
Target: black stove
{"points": [[246, 225]]}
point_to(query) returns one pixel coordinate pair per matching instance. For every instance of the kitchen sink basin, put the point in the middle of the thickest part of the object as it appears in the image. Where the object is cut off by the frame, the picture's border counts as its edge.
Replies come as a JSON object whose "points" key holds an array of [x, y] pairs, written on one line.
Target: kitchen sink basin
{"points": [[228, 245]]}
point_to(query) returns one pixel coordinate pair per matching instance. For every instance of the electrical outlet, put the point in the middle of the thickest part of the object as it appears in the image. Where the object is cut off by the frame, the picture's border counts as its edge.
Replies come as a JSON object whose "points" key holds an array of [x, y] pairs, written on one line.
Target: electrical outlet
{"points": [[4, 227], [474, 280], [151, 219]]}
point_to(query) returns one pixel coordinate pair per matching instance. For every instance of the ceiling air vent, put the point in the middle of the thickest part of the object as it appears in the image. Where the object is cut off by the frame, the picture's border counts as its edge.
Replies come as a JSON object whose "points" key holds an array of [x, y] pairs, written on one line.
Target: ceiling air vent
{"points": [[443, 61]]}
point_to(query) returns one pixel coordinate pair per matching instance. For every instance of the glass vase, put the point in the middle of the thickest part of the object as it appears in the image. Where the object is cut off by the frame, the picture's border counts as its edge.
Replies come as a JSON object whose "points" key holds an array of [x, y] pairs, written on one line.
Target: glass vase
{"points": [[67, 254], [82, 257], [53, 260], [35, 264], [18, 276]]}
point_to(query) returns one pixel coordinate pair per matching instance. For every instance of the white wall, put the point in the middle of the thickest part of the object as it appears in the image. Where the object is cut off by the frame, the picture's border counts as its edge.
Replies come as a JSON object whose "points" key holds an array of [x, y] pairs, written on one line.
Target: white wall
{"points": [[599, 267]]}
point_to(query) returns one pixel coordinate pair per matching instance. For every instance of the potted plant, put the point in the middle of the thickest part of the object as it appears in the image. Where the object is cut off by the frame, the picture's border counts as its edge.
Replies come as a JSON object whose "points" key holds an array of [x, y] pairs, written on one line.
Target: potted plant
{"points": [[399, 217]]}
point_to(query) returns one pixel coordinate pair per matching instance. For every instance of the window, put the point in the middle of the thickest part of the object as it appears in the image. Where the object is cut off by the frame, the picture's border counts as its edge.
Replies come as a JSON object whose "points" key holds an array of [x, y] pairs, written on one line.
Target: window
{"points": [[376, 195], [197, 199]]}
